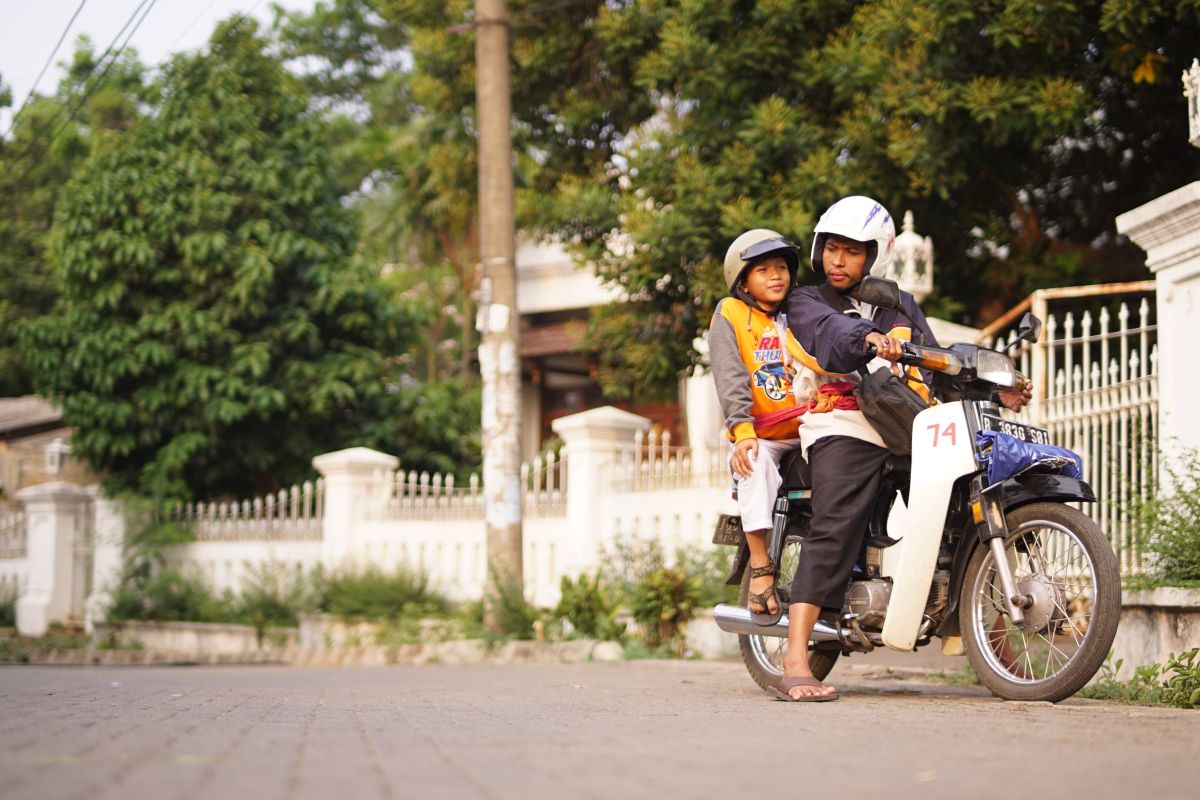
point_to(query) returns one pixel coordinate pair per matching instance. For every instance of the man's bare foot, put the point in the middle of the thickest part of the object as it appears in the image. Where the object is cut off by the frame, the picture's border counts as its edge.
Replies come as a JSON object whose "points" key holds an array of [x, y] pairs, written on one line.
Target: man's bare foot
{"points": [[809, 691]]}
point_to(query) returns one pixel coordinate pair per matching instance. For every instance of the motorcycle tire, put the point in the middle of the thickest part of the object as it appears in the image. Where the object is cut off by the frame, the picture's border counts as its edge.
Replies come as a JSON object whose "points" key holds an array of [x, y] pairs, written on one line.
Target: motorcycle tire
{"points": [[1053, 550], [763, 655]]}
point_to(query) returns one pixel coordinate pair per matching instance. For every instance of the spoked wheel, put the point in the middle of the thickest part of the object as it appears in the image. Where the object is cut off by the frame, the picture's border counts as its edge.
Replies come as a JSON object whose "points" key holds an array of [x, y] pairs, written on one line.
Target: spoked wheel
{"points": [[1061, 559], [763, 655]]}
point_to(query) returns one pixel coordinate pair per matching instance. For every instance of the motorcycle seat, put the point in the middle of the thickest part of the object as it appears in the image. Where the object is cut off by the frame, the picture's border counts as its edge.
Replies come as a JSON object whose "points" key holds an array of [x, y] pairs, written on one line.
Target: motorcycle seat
{"points": [[896, 463], [794, 470]]}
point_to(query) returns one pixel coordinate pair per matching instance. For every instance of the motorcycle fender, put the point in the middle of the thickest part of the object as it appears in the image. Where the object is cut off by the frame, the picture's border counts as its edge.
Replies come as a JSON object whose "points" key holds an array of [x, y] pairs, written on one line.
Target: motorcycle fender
{"points": [[942, 452], [1034, 487]]}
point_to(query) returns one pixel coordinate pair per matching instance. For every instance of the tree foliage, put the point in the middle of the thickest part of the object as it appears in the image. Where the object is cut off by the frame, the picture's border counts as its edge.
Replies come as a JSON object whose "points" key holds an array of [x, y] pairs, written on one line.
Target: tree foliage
{"points": [[1015, 131], [647, 135], [213, 332], [34, 165]]}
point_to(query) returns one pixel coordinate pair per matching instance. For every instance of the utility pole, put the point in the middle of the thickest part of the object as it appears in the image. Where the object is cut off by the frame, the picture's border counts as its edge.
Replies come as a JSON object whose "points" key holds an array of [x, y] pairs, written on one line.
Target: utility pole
{"points": [[499, 359]]}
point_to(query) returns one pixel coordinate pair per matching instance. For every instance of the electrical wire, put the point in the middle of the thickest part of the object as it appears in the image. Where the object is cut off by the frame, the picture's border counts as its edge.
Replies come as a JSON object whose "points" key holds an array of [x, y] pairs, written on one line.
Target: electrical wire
{"points": [[95, 84], [62, 37]]}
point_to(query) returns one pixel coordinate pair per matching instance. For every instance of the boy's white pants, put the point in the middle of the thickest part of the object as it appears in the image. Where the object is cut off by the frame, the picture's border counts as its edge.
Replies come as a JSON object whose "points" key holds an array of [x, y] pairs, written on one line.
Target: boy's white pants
{"points": [[756, 494]]}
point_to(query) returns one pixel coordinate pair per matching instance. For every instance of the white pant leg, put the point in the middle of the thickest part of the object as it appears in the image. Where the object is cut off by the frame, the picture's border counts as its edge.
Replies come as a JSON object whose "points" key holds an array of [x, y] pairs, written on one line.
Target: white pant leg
{"points": [[756, 494]]}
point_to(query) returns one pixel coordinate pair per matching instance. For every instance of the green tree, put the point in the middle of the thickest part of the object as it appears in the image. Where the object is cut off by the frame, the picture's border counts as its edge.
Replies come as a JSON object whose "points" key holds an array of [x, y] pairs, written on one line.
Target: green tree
{"points": [[35, 164], [406, 71], [213, 331], [1016, 131]]}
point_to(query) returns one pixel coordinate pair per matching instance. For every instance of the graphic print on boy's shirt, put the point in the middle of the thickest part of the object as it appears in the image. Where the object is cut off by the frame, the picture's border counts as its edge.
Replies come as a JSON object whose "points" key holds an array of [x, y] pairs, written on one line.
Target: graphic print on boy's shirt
{"points": [[771, 374]]}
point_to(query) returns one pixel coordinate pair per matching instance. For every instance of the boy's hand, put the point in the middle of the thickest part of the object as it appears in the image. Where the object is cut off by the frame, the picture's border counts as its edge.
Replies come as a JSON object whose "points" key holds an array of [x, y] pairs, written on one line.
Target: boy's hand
{"points": [[745, 453]]}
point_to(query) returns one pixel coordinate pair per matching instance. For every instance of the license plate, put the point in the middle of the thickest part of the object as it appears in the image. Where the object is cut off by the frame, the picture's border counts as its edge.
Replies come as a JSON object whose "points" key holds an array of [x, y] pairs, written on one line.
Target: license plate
{"points": [[728, 531], [1026, 433]]}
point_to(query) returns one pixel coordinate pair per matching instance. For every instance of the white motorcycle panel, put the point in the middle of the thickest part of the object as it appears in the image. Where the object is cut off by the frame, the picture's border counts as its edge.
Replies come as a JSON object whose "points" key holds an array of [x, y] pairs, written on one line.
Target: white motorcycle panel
{"points": [[942, 453]]}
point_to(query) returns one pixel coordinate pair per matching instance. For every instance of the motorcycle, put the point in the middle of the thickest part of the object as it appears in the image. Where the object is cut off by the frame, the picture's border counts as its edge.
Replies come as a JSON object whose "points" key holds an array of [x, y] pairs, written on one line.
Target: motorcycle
{"points": [[1007, 571]]}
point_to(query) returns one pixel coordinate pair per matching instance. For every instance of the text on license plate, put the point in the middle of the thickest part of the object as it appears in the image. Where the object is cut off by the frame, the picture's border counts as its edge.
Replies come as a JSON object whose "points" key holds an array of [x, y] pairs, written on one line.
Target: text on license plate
{"points": [[1026, 433]]}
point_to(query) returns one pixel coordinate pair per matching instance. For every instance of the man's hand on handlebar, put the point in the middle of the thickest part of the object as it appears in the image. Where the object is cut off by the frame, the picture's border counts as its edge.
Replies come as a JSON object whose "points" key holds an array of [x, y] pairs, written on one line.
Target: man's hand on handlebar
{"points": [[1016, 399], [885, 346]]}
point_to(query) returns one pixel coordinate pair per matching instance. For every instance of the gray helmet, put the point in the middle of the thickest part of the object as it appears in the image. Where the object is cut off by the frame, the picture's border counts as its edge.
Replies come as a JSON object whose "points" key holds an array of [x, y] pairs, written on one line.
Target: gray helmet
{"points": [[754, 245]]}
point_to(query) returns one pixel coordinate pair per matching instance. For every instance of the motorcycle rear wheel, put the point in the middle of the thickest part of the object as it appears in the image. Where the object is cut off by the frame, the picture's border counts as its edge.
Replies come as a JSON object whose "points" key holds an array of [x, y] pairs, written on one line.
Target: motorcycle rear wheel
{"points": [[764, 655], [1062, 558]]}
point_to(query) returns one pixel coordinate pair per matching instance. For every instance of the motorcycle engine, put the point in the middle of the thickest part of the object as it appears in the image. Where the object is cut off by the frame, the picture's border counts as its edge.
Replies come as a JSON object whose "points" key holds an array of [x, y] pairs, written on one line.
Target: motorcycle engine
{"points": [[869, 600]]}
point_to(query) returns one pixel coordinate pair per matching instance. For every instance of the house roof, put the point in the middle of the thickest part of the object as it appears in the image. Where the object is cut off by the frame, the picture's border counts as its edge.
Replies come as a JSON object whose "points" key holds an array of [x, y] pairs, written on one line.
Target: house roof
{"points": [[552, 339], [30, 413]]}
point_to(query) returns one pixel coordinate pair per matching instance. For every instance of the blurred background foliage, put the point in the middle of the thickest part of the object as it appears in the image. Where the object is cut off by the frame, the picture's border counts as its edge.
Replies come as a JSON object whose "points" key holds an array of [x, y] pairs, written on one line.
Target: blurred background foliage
{"points": [[224, 265]]}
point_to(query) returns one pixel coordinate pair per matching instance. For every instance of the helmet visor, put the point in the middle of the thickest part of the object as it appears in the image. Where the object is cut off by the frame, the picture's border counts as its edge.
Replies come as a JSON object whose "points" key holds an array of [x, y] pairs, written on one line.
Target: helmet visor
{"points": [[766, 246]]}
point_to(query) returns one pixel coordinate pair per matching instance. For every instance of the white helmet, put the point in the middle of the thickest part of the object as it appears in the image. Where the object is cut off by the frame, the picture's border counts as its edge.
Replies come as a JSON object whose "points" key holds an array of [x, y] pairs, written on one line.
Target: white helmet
{"points": [[863, 220], [752, 246]]}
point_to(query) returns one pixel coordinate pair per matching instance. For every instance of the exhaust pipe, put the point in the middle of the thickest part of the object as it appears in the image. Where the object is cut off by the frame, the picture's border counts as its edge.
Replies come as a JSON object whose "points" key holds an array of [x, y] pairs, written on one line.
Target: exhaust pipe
{"points": [[735, 619]]}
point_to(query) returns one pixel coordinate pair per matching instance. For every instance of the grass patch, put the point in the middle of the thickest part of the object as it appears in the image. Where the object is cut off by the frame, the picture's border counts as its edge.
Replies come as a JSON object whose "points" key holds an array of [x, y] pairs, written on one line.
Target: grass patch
{"points": [[964, 676]]}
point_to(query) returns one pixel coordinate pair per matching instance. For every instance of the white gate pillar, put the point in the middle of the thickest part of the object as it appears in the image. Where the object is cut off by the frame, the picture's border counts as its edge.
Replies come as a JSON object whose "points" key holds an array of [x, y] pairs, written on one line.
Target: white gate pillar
{"points": [[108, 554], [356, 484], [1168, 229], [54, 514], [594, 439]]}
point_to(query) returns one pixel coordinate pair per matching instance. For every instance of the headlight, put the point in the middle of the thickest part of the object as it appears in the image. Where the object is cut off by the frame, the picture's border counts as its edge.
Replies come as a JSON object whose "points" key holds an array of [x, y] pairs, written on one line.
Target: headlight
{"points": [[995, 368]]}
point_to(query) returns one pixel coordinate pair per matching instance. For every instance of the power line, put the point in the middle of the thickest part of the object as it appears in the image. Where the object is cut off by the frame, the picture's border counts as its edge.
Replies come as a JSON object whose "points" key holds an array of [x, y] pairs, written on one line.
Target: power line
{"points": [[192, 24], [95, 84], [46, 66]]}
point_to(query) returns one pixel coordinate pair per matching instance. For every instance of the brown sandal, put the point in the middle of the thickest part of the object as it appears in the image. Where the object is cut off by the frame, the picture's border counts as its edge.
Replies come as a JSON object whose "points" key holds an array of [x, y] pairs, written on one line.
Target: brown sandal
{"points": [[782, 692], [766, 617]]}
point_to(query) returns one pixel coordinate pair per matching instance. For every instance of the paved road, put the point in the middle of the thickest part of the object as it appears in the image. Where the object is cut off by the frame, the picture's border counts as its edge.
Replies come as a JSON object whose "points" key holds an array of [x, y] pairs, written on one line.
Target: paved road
{"points": [[629, 730]]}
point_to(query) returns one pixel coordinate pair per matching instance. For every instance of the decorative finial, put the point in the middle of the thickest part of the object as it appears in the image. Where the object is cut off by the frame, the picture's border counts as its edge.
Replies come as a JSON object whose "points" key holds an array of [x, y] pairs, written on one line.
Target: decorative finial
{"points": [[1191, 90]]}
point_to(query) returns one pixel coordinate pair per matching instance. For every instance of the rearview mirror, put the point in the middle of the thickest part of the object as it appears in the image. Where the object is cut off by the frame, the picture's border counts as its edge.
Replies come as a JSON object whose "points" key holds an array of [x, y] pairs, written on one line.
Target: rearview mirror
{"points": [[879, 292], [1030, 328]]}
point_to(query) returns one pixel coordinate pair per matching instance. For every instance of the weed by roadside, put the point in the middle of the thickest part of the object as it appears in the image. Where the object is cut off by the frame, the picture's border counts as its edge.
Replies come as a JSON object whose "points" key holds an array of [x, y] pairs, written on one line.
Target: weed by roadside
{"points": [[22, 649], [1175, 684], [964, 676]]}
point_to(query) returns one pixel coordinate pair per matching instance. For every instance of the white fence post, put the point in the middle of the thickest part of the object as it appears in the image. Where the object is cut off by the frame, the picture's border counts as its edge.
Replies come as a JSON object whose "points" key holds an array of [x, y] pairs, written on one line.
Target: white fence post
{"points": [[357, 482], [593, 441], [1168, 229], [108, 534], [54, 518]]}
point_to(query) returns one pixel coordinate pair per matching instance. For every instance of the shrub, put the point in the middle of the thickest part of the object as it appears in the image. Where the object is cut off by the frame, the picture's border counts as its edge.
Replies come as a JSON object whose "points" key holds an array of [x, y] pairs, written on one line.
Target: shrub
{"points": [[514, 617], [590, 605], [661, 597], [8, 605], [271, 597], [375, 594], [169, 596], [662, 601], [1171, 527]]}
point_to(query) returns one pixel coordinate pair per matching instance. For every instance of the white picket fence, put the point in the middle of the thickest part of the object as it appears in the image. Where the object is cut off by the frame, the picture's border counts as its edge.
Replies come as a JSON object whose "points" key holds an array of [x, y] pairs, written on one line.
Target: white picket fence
{"points": [[653, 463], [290, 514], [1095, 374]]}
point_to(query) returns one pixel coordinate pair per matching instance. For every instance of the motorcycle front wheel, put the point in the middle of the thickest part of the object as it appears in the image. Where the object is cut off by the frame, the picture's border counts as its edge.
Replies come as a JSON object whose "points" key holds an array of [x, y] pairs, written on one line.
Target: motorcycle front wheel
{"points": [[763, 655], [1060, 558]]}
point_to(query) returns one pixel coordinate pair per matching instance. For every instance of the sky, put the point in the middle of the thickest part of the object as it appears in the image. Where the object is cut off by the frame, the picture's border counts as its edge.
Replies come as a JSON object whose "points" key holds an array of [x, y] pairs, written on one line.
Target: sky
{"points": [[29, 30]]}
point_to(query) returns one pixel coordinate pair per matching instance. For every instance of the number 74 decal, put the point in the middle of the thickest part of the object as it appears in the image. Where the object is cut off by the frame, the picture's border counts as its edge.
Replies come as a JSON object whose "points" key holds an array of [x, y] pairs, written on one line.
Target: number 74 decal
{"points": [[943, 432]]}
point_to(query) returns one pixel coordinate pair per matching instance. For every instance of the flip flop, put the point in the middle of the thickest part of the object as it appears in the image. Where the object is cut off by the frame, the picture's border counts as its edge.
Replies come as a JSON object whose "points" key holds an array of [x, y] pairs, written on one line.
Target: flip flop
{"points": [[787, 684]]}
